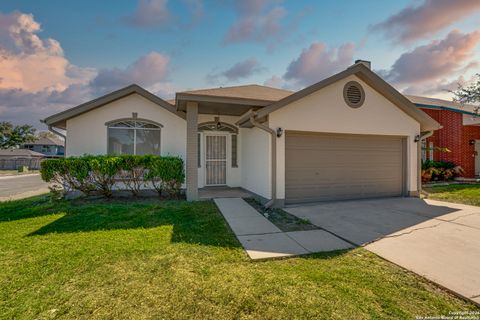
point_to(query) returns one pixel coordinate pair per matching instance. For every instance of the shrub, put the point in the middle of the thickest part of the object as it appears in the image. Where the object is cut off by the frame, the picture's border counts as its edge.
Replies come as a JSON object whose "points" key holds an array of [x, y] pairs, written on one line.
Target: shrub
{"points": [[103, 172], [167, 175], [133, 172], [99, 174], [70, 173], [440, 170]]}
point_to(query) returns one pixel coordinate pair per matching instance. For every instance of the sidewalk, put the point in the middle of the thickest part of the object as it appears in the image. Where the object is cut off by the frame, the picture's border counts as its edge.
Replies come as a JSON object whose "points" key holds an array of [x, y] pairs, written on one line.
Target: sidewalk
{"points": [[261, 239]]}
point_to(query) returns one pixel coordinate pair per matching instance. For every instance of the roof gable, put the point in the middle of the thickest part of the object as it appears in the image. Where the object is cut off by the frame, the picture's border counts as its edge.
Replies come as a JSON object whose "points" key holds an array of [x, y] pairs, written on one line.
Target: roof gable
{"points": [[59, 119], [370, 78]]}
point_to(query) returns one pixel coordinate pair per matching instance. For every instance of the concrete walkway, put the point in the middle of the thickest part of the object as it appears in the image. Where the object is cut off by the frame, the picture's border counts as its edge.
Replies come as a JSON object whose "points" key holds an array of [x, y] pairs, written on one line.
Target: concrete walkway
{"points": [[263, 240]]}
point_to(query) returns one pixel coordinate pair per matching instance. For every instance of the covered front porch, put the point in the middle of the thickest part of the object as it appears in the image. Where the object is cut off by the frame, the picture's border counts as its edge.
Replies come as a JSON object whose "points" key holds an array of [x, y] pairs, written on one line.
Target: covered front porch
{"points": [[223, 159], [207, 193]]}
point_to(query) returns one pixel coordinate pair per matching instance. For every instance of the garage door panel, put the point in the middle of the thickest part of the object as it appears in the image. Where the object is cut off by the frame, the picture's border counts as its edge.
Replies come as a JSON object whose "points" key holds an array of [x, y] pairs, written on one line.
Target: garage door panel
{"points": [[321, 167]]}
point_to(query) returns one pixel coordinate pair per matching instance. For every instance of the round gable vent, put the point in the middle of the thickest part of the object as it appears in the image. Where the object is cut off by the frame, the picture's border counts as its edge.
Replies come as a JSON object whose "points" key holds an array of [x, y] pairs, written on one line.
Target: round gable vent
{"points": [[353, 94]]}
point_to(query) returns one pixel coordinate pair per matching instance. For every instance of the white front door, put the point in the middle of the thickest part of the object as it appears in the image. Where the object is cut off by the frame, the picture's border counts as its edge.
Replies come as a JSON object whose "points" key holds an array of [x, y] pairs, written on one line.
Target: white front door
{"points": [[477, 157], [216, 160]]}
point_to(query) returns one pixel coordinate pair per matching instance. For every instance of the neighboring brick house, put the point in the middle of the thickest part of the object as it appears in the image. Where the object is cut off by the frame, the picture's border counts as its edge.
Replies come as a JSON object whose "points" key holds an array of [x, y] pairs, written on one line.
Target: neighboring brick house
{"points": [[460, 133]]}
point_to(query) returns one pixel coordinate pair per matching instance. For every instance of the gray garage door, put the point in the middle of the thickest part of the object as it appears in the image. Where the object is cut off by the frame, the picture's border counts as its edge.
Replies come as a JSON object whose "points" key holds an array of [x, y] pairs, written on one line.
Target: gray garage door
{"points": [[323, 167]]}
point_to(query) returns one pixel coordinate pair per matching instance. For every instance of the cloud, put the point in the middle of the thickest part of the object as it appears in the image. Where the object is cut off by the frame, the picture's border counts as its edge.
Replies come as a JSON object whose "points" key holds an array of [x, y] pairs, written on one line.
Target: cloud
{"points": [[33, 64], [275, 82], [196, 9], [149, 71], [150, 13], [146, 71], [431, 16], [37, 80], [318, 62], [239, 70], [258, 20], [435, 60], [439, 89], [156, 13]]}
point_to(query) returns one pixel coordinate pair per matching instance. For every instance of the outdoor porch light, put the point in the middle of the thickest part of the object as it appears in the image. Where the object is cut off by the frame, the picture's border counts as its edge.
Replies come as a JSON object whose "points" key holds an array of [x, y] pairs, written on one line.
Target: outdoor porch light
{"points": [[218, 125], [471, 142], [279, 132], [417, 138]]}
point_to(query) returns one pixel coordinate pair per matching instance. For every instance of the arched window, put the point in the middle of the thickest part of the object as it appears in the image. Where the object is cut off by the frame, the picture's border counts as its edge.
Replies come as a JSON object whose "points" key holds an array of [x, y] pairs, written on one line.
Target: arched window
{"points": [[133, 136], [217, 126]]}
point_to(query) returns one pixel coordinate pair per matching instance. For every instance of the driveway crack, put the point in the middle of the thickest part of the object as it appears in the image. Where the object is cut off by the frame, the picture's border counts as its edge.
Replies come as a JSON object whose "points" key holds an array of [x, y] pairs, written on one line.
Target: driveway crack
{"points": [[411, 231], [462, 216]]}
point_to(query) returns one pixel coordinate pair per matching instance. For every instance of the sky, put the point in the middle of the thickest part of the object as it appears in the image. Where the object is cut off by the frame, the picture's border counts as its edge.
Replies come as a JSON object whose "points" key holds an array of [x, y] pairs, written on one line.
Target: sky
{"points": [[56, 54]]}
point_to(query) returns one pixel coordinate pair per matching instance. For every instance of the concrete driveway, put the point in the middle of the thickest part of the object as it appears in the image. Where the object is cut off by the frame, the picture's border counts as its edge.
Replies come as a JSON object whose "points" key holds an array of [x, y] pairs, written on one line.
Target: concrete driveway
{"points": [[21, 186], [438, 240]]}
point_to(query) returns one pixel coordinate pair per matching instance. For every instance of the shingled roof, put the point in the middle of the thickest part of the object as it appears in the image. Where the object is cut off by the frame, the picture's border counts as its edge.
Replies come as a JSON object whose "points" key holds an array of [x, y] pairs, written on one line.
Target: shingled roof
{"points": [[440, 103], [250, 91]]}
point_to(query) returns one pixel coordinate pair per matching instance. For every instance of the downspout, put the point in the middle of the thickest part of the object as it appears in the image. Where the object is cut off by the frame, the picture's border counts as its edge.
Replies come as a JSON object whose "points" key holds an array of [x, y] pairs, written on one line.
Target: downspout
{"points": [[52, 129], [273, 134], [421, 137]]}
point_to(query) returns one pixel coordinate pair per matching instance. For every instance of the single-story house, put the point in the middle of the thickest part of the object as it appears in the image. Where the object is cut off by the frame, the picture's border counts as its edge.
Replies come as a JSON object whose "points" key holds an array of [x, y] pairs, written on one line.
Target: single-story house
{"points": [[48, 146], [12, 159], [349, 136], [460, 133]]}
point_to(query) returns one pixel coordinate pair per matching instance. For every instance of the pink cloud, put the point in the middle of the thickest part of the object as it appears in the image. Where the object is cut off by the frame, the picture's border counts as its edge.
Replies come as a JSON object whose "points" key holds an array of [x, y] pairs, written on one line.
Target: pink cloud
{"points": [[318, 62], [437, 59], [30, 63], [146, 71], [150, 13], [258, 20], [431, 16], [275, 82], [156, 13], [37, 80], [440, 89]]}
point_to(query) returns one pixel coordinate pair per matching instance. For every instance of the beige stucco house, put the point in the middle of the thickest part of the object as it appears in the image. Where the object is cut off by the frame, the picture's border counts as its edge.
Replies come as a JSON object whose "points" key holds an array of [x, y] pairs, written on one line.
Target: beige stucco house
{"points": [[349, 136]]}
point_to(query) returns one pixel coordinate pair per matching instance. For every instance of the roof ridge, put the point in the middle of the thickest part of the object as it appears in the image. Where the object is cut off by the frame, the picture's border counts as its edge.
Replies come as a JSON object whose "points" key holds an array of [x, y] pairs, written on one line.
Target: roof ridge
{"points": [[238, 86]]}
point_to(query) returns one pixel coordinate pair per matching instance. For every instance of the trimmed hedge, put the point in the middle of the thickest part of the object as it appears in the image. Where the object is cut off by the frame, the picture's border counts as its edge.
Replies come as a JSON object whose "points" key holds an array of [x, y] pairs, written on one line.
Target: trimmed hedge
{"points": [[97, 175]]}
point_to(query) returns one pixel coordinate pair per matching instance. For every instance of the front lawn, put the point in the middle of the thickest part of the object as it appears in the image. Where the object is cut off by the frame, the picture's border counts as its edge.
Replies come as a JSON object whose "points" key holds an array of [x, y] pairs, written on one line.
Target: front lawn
{"points": [[177, 260], [459, 193]]}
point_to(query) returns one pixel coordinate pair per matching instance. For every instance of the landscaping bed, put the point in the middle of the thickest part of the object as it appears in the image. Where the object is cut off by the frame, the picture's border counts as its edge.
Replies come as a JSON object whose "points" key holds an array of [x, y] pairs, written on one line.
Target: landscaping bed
{"points": [[138, 259], [283, 220]]}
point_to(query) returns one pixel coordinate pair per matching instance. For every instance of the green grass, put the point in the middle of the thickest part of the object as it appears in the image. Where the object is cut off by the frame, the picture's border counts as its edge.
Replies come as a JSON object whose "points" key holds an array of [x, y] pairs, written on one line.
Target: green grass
{"points": [[459, 193], [141, 259]]}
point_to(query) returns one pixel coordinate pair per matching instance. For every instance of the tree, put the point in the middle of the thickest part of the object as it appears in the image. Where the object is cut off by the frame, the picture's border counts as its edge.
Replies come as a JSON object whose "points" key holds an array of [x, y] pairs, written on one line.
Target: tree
{"points": [[47, 134], [469, 94], [14, 136]]}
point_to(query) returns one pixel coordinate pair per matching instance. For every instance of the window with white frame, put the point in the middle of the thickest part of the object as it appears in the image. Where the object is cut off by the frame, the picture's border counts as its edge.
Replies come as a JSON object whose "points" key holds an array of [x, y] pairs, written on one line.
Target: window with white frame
{"points": [[430, 149], [134, 137]]}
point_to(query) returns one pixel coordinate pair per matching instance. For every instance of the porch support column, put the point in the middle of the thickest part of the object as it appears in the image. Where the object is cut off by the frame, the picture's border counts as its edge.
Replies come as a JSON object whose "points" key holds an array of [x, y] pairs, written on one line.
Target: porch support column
{"points": [[192, 151]]}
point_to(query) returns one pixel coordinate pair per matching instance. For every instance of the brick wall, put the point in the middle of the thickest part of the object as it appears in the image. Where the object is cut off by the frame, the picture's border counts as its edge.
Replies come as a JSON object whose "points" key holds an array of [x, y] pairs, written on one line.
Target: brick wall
{"points": [[454, 136]]}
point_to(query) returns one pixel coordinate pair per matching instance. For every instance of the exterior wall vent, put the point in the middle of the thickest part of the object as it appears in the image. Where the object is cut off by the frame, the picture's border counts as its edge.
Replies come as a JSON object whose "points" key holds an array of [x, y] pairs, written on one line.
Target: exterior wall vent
{"points": [[353, 94]]}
